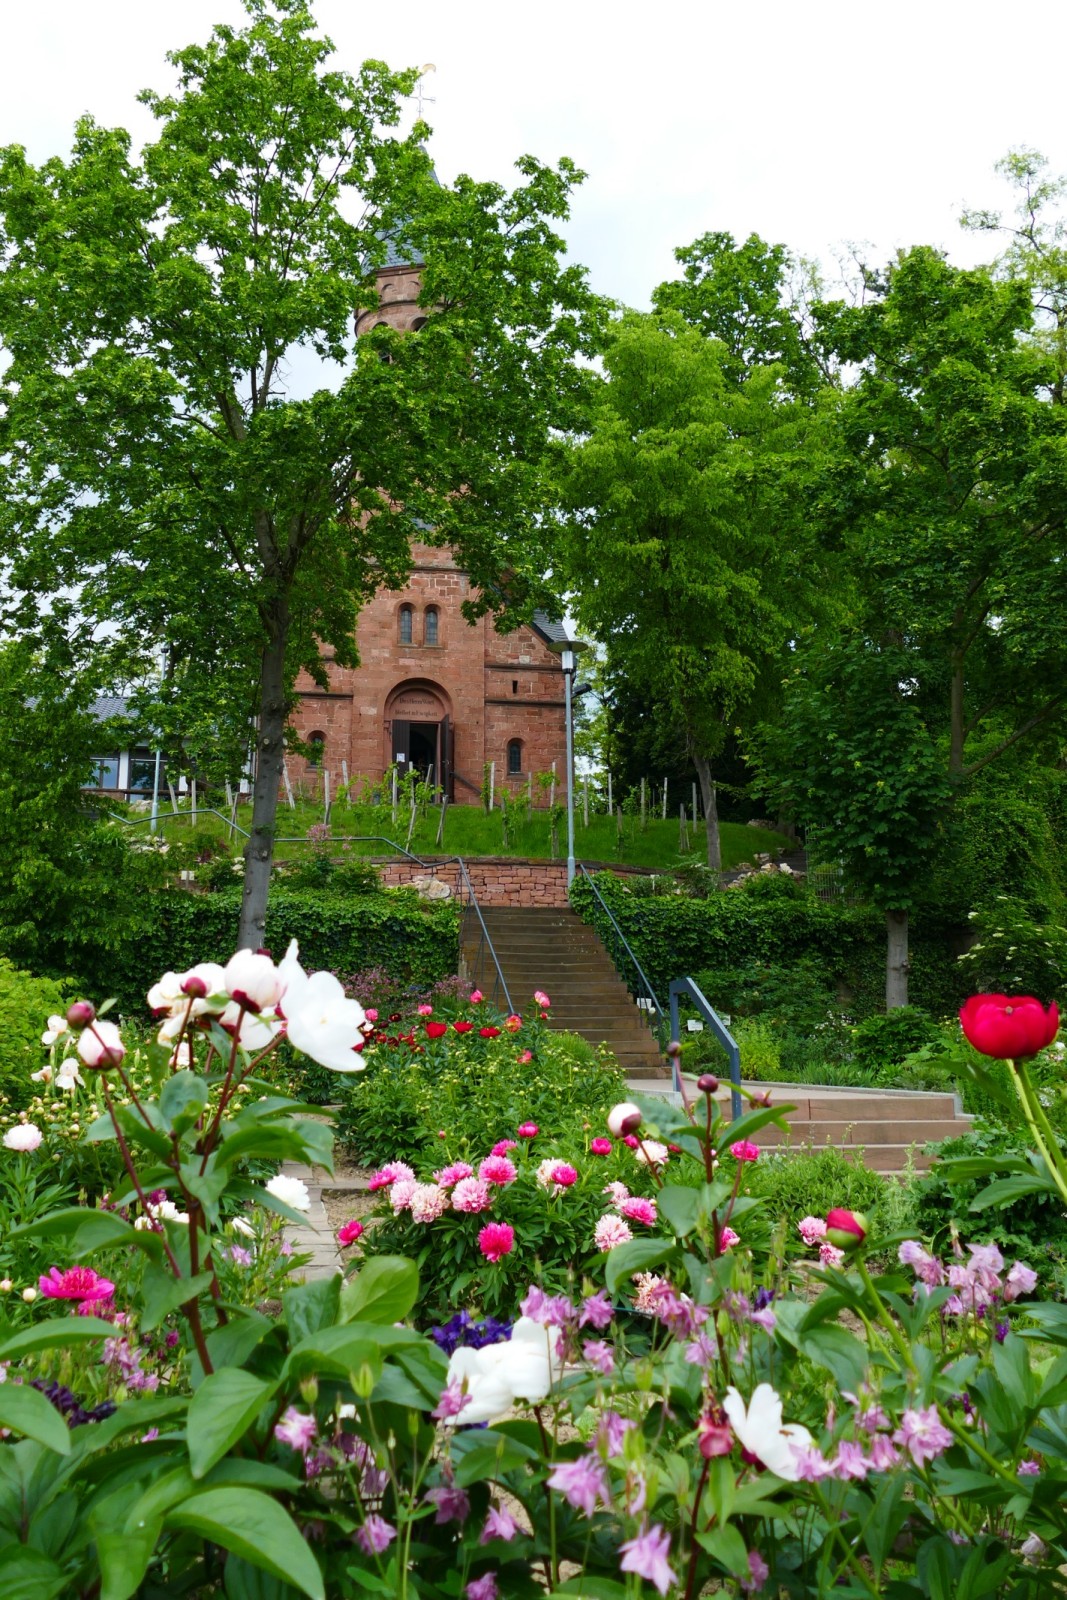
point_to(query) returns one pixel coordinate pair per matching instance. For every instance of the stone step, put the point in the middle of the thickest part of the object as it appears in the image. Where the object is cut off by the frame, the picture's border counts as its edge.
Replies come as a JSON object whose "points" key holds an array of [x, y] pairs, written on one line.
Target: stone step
{"points": [[820, 1131]]}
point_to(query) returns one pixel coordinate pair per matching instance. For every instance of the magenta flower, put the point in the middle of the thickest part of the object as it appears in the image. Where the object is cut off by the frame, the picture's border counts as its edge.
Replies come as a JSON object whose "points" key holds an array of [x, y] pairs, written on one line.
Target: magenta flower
{"points": [[471, 1194], [476, 997], [449, 1176], [745, 1150], [647, 1557], [76, 1283], [451, 1402], [527, 1130], [637, 1209], [581, 1483], [759, 1572], [923, 1435], [499, 1524], [563, 1174], [452, 1504], [541, 998], [425, 1011], [596, 1311], [498, 1169], [600, 1147], [297, 1430], [349, 1233], [375, 1535], [483, 1588], [502, 1147], [600, 1355], [728, 1238], [495, 1240]]}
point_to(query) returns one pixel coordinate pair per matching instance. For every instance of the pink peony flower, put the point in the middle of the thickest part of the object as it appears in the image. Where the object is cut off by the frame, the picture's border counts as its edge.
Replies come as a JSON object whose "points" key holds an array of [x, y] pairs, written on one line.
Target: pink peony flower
{"points": [[812, 1229], [541, 997], [640, 1210], [476, 997], [651, 1153], [389, 1174], [502, 1147], [498, 1169], [527, 1130], [631, 1141], [564, 1174], [745, 1150], [556, 1175], [425, 1011], [495, 1240], [600, 1147], [527, 1055], [830, 1255], [428, 1202], [471, 1194], [618, 1192], [610, 1231], [453, 1174], [349, 1233], [76, 1283], [400, 1194], [23, 1137], [370, 1014], [513, 1023], [728, 1238]]}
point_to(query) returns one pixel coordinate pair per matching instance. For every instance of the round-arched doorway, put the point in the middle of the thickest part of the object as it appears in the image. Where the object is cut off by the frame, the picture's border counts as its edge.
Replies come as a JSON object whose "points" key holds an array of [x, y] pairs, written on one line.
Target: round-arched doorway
{"points": [[418, 731]]}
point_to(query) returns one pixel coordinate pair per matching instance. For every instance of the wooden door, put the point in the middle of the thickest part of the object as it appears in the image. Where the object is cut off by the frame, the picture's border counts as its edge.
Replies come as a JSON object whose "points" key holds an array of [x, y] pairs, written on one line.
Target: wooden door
{"points": [[444, 757]]}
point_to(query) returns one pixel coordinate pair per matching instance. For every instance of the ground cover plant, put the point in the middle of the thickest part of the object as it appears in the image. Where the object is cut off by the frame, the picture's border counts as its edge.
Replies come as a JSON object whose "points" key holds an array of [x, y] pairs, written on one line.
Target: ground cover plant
{"points": [[715, 1398]]}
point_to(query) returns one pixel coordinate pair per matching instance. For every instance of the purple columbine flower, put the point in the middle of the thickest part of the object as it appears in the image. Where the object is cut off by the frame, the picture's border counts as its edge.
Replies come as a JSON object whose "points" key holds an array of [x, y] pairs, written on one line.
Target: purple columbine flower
{"points": [[297, 1430], [582, 1483], [483, 1588], [375, 1535], [451, 1402], [452, 1504], [596, 1311], [499, 1524], [647, 1557]]}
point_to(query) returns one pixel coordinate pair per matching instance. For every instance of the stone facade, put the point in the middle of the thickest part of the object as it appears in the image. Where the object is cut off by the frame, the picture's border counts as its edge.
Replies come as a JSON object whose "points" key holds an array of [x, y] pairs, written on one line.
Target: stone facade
{"points": [[468, 698]]}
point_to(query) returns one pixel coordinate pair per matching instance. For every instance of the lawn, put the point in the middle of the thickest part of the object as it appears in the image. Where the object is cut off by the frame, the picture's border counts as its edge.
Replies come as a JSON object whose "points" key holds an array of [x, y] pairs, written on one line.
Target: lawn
{"points": [[470, 832]]}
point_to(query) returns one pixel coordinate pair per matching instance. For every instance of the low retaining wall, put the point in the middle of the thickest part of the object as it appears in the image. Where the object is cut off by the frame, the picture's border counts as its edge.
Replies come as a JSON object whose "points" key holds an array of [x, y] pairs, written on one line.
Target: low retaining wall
{"points": [[496, 880]]}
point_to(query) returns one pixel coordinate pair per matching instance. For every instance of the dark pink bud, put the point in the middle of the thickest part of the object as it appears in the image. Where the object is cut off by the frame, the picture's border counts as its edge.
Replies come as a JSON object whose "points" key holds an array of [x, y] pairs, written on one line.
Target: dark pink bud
{"points": [[846, 1229], [81, 1013], [707, 1083], [194, 987]]}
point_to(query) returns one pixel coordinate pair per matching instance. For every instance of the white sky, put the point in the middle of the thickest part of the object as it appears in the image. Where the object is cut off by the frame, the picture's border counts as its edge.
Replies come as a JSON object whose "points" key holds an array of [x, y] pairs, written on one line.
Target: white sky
{"points": [[812, 124]]}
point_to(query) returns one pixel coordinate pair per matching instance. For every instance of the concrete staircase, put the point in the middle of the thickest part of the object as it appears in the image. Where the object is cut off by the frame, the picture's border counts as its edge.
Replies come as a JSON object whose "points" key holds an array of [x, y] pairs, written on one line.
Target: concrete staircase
{"points": [[552, 949]]}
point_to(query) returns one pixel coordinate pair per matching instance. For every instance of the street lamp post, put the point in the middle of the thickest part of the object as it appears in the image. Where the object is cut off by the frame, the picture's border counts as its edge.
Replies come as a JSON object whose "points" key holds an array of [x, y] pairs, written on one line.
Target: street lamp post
{"points": [[568, 651]]}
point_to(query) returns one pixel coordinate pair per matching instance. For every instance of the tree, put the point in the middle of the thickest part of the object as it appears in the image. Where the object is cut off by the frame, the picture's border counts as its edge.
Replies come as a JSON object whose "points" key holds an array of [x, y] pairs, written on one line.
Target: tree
{"points": [[676, 552], [851, 754], [157, 476]]}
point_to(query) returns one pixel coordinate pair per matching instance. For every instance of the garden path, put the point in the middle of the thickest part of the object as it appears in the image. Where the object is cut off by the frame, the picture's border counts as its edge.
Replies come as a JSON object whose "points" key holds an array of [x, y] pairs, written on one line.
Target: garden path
{"points": [[313, 1237]]}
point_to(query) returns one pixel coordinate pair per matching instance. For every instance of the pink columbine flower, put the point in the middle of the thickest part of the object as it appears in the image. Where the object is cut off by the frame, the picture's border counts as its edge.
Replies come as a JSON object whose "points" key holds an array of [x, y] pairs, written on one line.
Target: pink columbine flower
{"points": [[1020, 1280], [745, 1150], [527, 1130], [498, 1169], [476, 997], [375, 1535], [647, 1556], [452, 1504], [600, 1355], [499, 1524], [496, 1240], [297, 1430], [449, 1176], [483, 1588], [927, 1268], [428, 1202], [600, 1147], [542, 999], [812, 1230], [502, 1147], [471, 1194], [637, 1209], [923, 1435], [349, 1233], [610, 1231], [728, 1238], [596, 1311], [76, 1283], [759, 1572], [451, 1402], [582, 1482]]}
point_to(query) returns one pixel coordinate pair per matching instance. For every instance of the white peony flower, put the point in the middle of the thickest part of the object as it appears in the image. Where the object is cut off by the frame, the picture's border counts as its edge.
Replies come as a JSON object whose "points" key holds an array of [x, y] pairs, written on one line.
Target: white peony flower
{"points": [[323, 1024], [57, 1027], [24, 1136], [252, 1033], [252, 980], [290, 1191], [651, 1153], [166, 994], [620, 1118], [759, 1429], [100, 1045], [213, 978], [494, 1377]]}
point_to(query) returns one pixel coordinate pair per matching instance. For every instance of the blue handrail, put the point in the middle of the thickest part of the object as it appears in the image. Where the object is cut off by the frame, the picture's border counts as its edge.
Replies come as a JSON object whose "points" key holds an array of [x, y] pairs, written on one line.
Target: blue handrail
{"points": [[686, 987]]}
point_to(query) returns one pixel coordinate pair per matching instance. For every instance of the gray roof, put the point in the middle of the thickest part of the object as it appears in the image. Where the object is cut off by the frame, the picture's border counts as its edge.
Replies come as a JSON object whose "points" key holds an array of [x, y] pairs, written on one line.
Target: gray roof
{"points": [[399, 252], [107, 706], [551, 630]]}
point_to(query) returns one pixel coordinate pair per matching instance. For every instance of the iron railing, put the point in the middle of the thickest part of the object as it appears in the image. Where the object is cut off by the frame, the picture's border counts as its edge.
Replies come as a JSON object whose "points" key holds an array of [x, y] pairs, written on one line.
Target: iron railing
{"points": [[484, 968], [627, 965], [687, 989]]}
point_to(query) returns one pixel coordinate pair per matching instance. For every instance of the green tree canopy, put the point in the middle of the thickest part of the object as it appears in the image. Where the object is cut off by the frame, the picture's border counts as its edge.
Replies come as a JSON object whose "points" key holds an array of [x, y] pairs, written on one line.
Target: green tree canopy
{"points": [[158, 479]]}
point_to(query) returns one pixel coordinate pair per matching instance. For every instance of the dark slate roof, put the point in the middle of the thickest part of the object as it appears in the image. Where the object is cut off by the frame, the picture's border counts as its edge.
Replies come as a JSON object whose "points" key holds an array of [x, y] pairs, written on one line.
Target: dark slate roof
{"points": [[398, 252], [108, 706], [551, 630]]}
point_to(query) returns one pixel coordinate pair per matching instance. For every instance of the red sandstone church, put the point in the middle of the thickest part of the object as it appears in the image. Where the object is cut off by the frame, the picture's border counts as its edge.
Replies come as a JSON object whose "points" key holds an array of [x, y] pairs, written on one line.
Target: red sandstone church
{"points": [[434, 691]]}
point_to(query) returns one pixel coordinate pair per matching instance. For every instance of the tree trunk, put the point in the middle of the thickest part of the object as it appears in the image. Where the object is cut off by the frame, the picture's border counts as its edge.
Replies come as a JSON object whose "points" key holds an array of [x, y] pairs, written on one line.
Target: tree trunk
{"points": [[711, 812], [270, 762], [896, 959], [955, 743]]}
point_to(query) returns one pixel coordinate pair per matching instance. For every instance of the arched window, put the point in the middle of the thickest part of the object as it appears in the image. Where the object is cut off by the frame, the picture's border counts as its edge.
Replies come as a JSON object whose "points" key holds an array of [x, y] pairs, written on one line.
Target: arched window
{"points": [[316, 749], [406, 615], [429, 626], [514, 757], [419, 322]]}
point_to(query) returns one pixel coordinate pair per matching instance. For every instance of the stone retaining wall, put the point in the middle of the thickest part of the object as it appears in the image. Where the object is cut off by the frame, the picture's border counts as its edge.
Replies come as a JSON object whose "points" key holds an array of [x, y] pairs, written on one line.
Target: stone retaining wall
{"points": [[496, 881]]}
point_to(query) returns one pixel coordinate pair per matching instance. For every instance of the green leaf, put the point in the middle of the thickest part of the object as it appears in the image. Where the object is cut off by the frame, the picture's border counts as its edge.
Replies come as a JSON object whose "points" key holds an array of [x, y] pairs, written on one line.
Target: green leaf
{"points": [[637, 1255], [56, 1332], [384, 1290], [28, 1412], [162, 1293], [726, 1546], [221, 1411], [245, 1582], [680, 1207], [183, 1100], [311, 1306], [1005, 1190], [95, 1228], [590, 1586], [839, 1351], [26, 1574], [124, 1556], [256, 1528]]}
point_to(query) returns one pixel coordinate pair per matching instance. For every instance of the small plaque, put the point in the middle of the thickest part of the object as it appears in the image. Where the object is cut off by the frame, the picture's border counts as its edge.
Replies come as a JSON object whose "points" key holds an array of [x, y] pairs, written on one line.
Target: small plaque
{"points": [[695, 1025]]}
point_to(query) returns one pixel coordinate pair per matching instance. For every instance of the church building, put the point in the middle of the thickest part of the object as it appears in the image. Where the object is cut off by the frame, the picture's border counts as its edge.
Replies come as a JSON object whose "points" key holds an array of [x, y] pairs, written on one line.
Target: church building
{"points": [[434, 691]]}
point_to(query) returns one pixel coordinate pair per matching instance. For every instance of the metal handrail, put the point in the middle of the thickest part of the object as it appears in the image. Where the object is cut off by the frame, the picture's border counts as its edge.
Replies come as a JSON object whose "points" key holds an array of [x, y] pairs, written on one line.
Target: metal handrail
{"points": [[686, 987], [365, 838], [649, 992]]}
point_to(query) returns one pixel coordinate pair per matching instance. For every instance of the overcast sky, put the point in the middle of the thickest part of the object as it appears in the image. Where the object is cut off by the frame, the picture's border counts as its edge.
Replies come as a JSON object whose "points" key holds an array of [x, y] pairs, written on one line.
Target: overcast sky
{"points": [[812, 123]]}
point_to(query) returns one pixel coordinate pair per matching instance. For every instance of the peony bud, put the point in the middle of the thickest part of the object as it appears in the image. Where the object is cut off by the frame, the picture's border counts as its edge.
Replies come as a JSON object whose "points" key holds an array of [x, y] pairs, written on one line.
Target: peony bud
{"points": [[624, 1118], [846, 1229], [194, 986], [101, 1046], [707, 1083], [81, 1013], [251, 979]]}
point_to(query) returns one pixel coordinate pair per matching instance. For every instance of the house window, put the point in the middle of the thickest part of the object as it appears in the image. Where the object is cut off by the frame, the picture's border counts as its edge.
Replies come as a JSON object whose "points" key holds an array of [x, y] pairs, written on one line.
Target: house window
{"points": [[406, 614], [142, 776], [429, 635], [105, 773], [316, 749], [514, 757]]}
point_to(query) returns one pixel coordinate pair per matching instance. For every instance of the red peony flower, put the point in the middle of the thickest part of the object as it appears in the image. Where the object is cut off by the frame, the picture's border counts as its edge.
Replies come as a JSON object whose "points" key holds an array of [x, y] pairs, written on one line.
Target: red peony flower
{"points": [[527, 1130], [463, 1027], [489, 1033], [496, 1239], [436, 1030], [349, 1233], [1009, 1027]]}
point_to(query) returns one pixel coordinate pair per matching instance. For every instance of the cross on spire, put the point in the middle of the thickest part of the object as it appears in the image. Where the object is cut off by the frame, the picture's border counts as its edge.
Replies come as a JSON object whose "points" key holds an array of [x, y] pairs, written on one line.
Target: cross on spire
{"points": [[420, 97]]}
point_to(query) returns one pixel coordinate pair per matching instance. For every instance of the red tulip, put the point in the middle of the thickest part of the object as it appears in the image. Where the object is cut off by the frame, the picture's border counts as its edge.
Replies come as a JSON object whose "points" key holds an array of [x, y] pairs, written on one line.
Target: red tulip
{"points": [[1009, 1026]]}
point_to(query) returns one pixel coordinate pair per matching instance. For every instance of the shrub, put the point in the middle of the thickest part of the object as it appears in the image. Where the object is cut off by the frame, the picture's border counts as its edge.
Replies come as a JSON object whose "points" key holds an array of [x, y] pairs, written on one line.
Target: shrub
{"points": [[26, 1003], [1013, 953], [886, 1040], [810, 1182], [760, 1056]]}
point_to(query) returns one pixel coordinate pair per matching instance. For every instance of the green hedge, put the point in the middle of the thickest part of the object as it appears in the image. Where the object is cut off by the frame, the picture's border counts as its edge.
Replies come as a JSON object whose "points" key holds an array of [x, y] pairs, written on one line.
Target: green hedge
{"points": [[675, 937], [411, 938]]}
